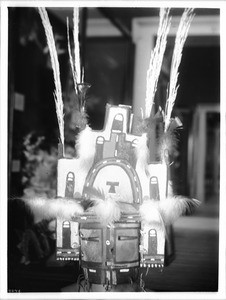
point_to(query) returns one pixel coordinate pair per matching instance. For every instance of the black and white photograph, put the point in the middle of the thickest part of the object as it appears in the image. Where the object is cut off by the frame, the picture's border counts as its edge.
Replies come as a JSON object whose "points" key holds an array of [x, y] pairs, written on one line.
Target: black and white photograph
{"points": [[112, 146]]}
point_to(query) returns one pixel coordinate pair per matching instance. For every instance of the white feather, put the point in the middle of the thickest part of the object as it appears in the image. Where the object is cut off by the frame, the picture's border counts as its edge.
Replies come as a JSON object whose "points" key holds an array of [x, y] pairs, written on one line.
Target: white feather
{"points": [[44, 208]]}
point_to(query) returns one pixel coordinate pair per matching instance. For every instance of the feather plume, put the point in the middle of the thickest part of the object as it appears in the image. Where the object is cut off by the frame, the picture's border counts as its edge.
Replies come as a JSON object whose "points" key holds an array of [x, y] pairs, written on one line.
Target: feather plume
{"points": [[181, 36], [77, 74], [70, 57], [75, 62], [43, 208], [156, 60], [56, 70], [77, 66], [174, 207]]}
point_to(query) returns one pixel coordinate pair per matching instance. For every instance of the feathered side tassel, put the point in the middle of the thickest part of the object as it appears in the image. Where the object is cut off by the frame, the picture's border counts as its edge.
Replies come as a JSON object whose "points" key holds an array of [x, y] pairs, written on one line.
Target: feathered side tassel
{"points": [[156, 60], [106, 208], [181, 37], [43, 208], [174, 207], [56, 70]]}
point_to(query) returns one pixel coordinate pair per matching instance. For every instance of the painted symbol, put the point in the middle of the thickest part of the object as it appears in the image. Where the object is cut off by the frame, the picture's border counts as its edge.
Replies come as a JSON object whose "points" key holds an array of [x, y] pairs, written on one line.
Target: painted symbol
{"points": [[152, 242], [70, 184], [117, 124], [154, 188], [66, 234], [112, 186]]}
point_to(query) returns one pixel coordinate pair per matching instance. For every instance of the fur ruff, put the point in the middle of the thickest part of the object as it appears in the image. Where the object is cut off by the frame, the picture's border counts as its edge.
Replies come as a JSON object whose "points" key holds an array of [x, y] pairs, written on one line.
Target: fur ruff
{"points": [[43, 208]]}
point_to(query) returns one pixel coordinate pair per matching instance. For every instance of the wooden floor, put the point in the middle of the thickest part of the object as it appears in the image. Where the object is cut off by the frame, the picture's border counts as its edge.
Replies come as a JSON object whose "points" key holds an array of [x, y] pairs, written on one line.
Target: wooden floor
{"points": [[194, 268]]}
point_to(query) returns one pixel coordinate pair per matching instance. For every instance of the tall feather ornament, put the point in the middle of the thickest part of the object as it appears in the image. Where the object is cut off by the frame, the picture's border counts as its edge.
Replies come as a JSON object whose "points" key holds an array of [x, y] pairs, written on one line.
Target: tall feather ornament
{"points": [[75, 61], [181, 37], [80, 116], [156, 60], [76, 44], [71, 58], [56, 71]]}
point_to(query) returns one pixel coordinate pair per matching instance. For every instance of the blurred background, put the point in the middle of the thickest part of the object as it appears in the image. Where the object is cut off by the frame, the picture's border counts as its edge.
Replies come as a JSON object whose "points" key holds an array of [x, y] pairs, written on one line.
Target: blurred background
{"points": [[115, 46]]}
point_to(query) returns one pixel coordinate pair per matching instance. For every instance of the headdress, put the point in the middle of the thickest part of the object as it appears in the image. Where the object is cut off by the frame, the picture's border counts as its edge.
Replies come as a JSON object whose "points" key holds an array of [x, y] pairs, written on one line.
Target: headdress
{"points": [[113, 204]]}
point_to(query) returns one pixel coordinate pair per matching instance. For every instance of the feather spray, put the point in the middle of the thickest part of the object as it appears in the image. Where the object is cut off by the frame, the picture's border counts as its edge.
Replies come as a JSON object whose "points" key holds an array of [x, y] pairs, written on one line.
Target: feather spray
{"points": [[56, 71], [156, 60], [181, 37], [44, 208]]}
